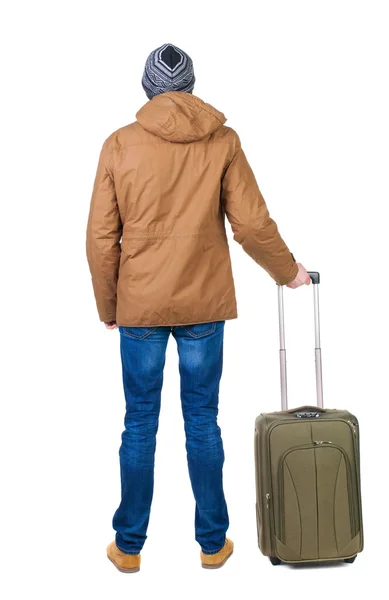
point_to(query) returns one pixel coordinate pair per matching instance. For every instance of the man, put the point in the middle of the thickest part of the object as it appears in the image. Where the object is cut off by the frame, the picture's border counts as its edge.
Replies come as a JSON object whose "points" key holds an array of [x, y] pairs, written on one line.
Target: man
{"points": [[160, 264]]}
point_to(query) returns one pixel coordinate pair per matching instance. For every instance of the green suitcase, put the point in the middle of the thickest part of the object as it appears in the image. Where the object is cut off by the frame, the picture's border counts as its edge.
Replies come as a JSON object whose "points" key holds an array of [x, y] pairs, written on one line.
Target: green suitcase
{"points": [[307, 467]]}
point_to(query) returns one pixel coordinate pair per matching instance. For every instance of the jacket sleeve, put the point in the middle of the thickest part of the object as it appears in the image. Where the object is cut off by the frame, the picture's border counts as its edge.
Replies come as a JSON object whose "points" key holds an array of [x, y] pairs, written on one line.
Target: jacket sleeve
{"points": [[104, 230], [251, 223]]}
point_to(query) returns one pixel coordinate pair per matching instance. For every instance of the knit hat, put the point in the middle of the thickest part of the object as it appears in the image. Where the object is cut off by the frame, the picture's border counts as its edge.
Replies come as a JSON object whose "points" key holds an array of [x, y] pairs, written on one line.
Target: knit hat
{"points": [[168, 69]]}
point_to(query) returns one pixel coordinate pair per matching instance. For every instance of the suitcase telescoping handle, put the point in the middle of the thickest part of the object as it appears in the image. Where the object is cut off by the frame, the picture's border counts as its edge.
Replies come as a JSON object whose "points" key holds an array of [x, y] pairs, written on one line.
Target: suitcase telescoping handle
{"points": [[315, 278]]}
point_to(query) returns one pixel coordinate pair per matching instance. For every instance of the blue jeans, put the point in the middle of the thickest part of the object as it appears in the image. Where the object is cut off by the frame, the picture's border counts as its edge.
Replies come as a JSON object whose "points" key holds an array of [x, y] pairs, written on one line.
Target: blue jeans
{"points": [[200, 350]]}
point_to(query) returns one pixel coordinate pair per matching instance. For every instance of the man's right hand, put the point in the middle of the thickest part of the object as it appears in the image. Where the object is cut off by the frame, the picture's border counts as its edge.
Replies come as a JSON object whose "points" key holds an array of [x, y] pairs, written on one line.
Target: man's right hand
{"points": [[301, 278]]}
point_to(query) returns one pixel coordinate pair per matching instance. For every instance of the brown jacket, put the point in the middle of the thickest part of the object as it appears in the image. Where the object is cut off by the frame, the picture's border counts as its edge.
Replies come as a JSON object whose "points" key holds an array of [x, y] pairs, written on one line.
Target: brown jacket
{"points": [[156, 241]]}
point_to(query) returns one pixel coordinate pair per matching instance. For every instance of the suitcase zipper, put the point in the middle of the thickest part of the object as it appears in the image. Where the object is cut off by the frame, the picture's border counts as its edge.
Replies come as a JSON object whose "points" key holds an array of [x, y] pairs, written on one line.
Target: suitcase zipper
{"points": [[267, 524], [353, 427], [270, 521]]}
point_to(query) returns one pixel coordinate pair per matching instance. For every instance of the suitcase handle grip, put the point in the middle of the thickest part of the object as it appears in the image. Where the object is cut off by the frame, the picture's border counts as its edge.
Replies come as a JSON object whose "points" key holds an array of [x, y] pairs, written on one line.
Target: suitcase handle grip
{"points": [[315, 277], [306, 409], [308, 415]]}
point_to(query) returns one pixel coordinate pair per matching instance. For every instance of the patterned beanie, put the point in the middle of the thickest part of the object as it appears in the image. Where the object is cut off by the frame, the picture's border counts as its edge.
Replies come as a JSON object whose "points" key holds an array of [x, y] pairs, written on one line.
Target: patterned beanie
{"points": [[168, 69]]}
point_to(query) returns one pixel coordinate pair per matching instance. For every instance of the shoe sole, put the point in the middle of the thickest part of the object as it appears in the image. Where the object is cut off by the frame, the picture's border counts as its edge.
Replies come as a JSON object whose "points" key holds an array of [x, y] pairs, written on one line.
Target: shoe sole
{"points": [[218, 565], [132, 570]]}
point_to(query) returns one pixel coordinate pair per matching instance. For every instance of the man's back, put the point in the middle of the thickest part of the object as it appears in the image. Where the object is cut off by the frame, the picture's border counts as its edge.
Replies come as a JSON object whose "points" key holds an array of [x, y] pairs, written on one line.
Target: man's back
{"points": [[163, 186], [166, 172]]}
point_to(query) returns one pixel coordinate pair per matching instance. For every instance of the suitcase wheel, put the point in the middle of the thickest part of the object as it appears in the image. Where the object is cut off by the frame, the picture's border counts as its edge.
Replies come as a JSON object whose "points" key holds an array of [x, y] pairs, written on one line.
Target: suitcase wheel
{"points": [[350, 560], [274, 561]]}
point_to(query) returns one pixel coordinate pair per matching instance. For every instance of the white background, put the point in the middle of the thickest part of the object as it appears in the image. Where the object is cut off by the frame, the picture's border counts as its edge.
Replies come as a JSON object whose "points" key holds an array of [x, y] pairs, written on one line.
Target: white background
{"points": [[305, 84]]}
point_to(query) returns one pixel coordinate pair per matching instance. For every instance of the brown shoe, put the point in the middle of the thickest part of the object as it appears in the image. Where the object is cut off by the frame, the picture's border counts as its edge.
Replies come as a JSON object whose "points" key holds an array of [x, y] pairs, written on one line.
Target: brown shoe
{"points": [[126, 563], [215, 561]]}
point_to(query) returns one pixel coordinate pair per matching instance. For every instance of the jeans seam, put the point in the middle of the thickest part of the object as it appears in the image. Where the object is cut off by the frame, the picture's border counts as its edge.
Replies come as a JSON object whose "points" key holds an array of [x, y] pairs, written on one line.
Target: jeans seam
{"points": [[201, 335], [139, 337]]}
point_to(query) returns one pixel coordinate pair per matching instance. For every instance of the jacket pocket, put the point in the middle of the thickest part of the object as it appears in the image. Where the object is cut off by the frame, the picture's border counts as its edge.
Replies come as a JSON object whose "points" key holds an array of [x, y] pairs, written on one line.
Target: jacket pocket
{"points": [[200, 330], [137, 332]]}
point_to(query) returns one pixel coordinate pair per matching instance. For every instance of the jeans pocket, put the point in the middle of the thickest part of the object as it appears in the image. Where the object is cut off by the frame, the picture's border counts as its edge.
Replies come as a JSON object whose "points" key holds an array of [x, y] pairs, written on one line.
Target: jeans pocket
{"points": [[137, 332], [200, 330]]}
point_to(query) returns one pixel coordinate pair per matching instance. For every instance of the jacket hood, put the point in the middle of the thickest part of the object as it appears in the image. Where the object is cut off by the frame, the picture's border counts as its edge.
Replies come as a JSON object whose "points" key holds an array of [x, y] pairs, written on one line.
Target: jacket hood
{"points": [[179, 117]]}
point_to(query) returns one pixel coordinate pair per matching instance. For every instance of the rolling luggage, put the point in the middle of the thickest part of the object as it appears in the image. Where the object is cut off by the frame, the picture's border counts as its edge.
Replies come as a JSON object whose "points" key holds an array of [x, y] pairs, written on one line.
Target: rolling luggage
{"points": [[308, 498]]}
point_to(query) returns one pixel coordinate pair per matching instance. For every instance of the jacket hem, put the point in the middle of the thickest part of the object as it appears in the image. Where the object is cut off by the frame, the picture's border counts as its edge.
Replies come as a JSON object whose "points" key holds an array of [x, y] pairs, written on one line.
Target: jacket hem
{"points": [[179, 324]]}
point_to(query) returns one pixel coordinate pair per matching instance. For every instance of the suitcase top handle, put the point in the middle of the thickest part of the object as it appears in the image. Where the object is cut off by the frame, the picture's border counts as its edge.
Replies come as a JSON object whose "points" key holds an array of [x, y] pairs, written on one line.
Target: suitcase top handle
{"points": [[308, 415], [306, 412]]}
